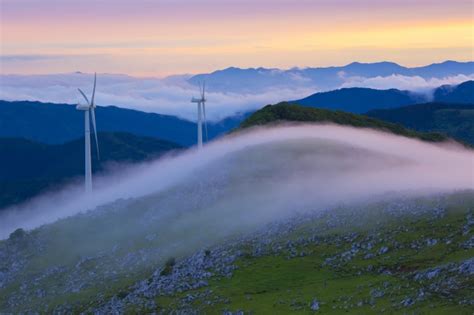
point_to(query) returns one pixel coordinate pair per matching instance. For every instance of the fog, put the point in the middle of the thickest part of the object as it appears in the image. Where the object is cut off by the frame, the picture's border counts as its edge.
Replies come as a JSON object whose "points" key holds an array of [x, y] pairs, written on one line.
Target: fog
{"points": [[254, 177], [415, 84]]}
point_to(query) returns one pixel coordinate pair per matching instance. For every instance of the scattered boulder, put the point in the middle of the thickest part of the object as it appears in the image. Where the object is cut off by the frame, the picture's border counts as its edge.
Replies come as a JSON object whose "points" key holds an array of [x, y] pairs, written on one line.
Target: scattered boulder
{"points": [[383, 250], [314, 305]]}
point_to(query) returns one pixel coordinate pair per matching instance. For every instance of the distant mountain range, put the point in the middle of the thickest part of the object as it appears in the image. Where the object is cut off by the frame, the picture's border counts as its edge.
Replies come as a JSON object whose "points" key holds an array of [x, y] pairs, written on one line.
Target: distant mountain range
{"points": [[28, 168], [454, 120], [325, 78], [59, 123], [361, 100]]}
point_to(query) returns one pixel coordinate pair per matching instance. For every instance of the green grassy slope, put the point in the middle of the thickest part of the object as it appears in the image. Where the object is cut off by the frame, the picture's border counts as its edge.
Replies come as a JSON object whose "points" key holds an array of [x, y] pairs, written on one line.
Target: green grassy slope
{"points": [[336, 269], [398, 256], [295, 113]]}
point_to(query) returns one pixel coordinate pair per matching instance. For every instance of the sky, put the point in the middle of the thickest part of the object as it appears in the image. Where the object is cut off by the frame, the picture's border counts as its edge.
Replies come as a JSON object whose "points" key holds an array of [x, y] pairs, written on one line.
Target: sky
{"points": [[162, 37]]}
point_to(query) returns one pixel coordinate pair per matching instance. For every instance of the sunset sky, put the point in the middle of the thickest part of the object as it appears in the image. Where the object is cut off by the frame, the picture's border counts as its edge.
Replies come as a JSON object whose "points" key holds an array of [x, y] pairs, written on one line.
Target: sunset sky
{"points": [[162, 37]]}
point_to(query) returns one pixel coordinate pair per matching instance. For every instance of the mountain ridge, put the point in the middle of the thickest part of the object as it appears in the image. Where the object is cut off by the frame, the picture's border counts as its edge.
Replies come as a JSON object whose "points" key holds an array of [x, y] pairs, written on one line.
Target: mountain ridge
{"points": [[360, 100], [59, 123], [22, 177], [455, 120], [234, 79], [289, 112]]}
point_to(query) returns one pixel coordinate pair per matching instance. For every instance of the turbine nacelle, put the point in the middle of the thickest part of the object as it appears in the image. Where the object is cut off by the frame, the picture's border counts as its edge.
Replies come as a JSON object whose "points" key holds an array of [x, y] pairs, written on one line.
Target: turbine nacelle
{"points": [[83, 107], [201, 106]]}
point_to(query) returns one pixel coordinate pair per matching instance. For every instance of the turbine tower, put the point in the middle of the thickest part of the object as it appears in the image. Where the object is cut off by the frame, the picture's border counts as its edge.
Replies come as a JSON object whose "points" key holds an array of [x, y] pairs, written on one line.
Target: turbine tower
{"points": [[201, 107], [89, 109]]}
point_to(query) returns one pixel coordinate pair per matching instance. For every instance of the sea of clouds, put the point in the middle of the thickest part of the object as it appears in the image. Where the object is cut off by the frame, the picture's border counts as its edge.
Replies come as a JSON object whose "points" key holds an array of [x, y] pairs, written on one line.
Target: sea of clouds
{"points": [[172, 95]]}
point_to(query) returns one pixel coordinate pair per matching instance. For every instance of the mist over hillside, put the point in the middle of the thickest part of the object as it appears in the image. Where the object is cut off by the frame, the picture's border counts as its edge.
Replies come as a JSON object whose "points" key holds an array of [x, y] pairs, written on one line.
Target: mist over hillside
{"points": [[141, 216], [415, 158]]}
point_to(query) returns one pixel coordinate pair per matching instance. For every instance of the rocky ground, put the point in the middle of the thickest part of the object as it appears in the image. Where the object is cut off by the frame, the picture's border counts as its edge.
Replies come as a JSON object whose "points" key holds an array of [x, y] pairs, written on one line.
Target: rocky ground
{"points": [[406, 255]]}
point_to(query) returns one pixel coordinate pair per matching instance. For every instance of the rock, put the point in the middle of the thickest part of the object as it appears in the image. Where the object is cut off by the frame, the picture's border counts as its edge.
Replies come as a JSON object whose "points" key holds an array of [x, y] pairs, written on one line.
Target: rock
{"points": [[469, 243], [369, 256], [467, 266], [314, 306], [470, 219], [383, 250], [407, 302], [421, 294], [376, 293]]}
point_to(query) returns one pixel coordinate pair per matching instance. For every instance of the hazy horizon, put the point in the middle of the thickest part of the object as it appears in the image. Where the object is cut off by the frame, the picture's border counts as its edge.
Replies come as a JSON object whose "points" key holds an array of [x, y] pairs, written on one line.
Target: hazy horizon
{"points": [[227, 67]]}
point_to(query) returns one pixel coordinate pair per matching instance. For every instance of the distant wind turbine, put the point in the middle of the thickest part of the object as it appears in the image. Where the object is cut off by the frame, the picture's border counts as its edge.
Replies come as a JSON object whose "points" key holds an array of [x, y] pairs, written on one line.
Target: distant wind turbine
{"points": [[201, 106], [89, 109]]}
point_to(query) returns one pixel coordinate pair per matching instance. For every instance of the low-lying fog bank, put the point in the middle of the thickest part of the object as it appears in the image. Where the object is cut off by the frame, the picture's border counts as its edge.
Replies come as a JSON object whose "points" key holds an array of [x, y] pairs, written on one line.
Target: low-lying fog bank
{"points": [[260, 175]]}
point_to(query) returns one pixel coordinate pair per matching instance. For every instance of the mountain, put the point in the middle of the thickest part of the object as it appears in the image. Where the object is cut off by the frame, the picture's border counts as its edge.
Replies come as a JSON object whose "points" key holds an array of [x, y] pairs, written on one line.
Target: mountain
{"points": [[358, 100], [462, 93], [443, 69], [361, 100], [58, 123], [287, 112], [454, 120], [253, 80], [28, 168], [244, 80]]}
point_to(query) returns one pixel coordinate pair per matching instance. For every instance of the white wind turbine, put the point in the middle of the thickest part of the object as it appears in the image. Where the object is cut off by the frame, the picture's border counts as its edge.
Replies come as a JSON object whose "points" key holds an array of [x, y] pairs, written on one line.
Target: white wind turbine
{"points": [[89, 109], [201, 106]]}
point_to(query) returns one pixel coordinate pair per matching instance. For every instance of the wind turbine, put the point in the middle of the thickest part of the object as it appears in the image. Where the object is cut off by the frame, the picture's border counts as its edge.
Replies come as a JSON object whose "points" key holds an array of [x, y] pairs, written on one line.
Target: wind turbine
{"points": [[201, 106], [89, 109]]}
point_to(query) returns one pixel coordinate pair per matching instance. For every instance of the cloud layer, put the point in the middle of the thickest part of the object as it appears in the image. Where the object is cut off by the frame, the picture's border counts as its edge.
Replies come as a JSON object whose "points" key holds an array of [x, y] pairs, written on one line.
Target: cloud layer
{"points": [[165, 96], [172, 95], [409, 83]]}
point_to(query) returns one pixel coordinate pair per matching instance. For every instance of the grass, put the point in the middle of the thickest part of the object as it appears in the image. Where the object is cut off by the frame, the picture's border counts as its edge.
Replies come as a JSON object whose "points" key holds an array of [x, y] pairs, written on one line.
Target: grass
{"points": [[274, 284], [272, 114]]}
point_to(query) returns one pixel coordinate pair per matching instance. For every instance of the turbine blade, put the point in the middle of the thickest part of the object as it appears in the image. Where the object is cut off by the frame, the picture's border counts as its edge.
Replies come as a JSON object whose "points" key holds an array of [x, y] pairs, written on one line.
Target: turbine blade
{"points": [[95, 131], [202, 89], [205, 119], [93, 91], [85, 97]]}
